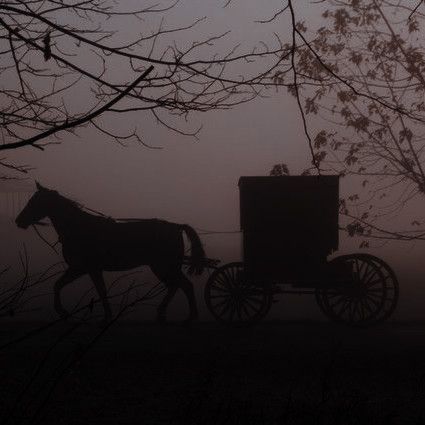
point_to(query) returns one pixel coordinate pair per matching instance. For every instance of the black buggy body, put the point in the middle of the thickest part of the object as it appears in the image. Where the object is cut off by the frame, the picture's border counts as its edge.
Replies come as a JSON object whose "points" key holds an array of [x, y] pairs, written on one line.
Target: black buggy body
{"points": [[289, 225], [290, 228]]}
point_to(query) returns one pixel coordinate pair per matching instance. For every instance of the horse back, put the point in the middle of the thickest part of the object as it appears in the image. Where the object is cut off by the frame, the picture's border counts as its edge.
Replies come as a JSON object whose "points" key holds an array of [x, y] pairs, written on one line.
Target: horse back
{"points": [[116, 245]]}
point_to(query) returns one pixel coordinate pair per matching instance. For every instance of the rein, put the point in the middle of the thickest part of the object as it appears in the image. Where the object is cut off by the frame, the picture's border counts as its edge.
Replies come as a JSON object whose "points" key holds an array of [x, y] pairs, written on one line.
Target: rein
{"points": [[52, 246]]}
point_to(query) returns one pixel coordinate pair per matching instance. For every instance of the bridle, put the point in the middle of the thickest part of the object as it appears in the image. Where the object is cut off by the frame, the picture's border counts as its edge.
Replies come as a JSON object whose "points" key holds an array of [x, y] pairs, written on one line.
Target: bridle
{"points": [[41, 223]]}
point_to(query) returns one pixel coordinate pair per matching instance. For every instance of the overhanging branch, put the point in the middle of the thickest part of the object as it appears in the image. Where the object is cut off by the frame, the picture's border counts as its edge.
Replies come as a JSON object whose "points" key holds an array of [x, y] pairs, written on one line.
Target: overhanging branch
{"points": [[75, 123]]}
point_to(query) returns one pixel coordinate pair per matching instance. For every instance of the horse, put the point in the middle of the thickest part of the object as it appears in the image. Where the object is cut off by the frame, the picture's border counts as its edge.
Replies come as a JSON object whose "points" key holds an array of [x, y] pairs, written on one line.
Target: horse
{"points": [[93, 243]]}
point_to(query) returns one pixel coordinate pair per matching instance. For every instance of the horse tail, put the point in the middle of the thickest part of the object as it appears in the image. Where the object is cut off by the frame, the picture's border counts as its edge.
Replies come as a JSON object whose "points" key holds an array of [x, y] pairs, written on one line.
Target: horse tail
{"points": [[197, 253]]}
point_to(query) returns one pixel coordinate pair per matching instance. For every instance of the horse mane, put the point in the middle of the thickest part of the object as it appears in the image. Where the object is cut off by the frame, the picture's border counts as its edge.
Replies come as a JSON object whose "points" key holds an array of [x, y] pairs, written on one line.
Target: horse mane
{"points": [[67, 202]]}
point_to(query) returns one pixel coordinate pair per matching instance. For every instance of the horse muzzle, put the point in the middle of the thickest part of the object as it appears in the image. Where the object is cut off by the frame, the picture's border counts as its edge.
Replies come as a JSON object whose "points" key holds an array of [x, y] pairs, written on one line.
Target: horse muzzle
{"points": [[21, 224]]}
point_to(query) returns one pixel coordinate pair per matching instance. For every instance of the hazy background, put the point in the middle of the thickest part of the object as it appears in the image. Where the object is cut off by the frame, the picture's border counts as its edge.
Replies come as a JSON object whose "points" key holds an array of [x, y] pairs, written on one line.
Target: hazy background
{"points": [[196, 182]]}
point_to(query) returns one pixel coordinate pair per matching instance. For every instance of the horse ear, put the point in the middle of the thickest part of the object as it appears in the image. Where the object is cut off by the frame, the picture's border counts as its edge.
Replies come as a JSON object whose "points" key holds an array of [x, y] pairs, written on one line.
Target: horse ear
{"points": [[38, 185]]}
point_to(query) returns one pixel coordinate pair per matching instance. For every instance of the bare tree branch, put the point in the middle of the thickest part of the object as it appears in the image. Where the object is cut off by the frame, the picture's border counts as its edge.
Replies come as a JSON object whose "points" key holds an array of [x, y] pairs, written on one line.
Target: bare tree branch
{"points": [[31, 141]]}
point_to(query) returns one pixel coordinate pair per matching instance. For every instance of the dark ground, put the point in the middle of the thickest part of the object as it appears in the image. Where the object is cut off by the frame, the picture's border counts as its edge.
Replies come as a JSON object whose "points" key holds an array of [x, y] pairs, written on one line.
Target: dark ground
{"points": [[275, 373]]}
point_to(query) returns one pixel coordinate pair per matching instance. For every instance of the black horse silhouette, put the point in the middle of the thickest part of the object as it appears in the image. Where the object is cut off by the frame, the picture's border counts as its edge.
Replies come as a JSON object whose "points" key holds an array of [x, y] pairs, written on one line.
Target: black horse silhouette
{"points": [[93, 243]]}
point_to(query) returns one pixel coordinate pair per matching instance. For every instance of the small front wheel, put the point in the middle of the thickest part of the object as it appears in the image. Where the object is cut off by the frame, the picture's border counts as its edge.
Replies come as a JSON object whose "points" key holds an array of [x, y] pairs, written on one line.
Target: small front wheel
{"points": [[235, 300]]}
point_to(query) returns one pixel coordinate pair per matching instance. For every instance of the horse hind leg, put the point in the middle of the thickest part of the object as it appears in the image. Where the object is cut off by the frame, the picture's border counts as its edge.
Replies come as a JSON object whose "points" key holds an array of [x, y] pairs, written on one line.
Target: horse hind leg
{"points": [[169, 276], [187, 287], [174, 279]]}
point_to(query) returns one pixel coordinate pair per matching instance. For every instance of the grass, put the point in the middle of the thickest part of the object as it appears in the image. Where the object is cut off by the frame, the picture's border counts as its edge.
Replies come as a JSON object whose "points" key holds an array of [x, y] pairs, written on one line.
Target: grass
{"points": [[276, 373]]}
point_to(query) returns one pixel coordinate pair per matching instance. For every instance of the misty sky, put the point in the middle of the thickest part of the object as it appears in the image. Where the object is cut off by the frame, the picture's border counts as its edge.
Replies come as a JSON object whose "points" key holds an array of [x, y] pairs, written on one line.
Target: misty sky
{"points": [[189, 180], [185, 173]]}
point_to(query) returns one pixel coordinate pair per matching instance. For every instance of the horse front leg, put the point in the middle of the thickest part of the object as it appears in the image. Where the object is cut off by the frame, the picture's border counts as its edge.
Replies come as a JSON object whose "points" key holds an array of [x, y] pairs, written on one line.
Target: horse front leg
{"points": [[99, 283], [69, 276]]}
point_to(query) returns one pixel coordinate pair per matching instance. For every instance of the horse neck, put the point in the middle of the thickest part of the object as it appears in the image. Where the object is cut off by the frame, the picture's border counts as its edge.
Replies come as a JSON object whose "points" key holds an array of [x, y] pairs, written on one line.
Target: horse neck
{"points": [[67, 220]]}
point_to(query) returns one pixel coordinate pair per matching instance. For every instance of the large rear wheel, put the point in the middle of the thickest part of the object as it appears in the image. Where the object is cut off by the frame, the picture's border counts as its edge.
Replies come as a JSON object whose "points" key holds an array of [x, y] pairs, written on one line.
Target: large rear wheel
{"points": [[235, 300], [365, 292], [391, 286]]}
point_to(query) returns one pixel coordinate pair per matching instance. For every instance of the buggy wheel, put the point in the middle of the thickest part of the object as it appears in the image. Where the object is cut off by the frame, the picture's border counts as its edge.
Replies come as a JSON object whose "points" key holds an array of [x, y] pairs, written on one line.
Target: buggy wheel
{"points": [[391, 286], [232, 299], [360, 295]]}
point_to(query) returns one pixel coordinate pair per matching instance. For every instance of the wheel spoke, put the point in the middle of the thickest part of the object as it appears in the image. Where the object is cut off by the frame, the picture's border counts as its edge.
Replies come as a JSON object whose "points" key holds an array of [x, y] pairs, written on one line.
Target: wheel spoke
{"points": [[341, 299], [229, 279], [344, 307], [238, 310], [362, 310], [369, 270], [219, 304], [220, 289], [370, 298], [356, 310], [373, 282], [256, 309], [219, 296], [221, 279], [231, 298], [369, 279], [225, 308], [373, 295], [232, 311], [367, 306], [245, 310], [376, 290], [357, 271]]}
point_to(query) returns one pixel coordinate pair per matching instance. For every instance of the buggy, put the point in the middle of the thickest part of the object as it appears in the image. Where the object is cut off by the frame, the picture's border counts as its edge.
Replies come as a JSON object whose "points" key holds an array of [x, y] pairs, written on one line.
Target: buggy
{"points": [[290, 228]]}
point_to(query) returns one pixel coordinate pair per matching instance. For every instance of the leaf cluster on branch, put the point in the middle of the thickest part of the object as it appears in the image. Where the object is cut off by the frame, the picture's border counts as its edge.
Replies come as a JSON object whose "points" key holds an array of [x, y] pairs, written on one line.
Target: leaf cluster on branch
{"points": [[359, 80]]}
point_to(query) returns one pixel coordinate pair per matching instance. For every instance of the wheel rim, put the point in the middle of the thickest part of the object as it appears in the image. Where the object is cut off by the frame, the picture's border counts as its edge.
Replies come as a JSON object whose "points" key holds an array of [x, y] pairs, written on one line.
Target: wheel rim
{"points": [[361, 299], [232, 299], [392, 288]]}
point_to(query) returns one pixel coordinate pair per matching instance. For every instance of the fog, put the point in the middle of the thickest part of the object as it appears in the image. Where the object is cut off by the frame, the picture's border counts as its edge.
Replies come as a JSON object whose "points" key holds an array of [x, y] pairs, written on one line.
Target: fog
{"points": [[195, 181]]}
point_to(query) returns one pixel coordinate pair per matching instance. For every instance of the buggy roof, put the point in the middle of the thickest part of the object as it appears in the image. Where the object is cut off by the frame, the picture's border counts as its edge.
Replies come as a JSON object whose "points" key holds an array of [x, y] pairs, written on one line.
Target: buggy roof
{"points": [[299, 181]]}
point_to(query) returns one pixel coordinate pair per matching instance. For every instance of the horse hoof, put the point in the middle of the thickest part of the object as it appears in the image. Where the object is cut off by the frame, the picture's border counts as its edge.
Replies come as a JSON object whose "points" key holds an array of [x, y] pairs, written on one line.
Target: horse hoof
{"points": [[161, 320], [104, 323], [190, 320], [63, 314]]}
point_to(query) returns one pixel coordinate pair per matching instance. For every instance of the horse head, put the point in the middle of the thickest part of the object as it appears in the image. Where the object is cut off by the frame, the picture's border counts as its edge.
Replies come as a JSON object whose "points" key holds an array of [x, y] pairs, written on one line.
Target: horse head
{"points": [[37, 207]]}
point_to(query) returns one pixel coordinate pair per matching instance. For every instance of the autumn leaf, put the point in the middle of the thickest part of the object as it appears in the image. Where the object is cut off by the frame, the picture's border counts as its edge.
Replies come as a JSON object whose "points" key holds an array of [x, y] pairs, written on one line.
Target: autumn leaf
{"points": [[279, 170]]}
